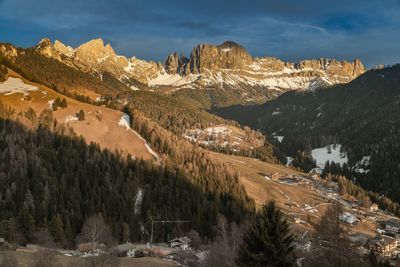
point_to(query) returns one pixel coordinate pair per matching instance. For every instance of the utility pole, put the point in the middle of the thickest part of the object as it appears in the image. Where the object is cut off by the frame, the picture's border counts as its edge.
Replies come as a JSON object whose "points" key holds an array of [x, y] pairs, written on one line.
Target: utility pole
{"points": [[163, 222]]}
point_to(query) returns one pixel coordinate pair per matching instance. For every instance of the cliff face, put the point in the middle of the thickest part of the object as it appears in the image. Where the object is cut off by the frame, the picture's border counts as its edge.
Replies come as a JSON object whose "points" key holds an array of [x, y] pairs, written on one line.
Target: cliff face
{"points": [[225, 66], [228, 55]]}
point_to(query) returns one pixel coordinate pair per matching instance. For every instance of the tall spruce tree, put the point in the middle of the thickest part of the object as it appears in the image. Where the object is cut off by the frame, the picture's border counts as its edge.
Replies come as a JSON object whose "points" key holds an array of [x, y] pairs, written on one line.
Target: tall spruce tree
{"points": [[268, 242]]}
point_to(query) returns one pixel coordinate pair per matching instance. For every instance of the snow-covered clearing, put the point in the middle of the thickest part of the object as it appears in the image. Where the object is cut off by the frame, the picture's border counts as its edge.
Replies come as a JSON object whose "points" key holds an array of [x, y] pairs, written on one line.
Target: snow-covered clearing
{"points": [[124, 121], [322, 155], [279, 138], [16, 85]]}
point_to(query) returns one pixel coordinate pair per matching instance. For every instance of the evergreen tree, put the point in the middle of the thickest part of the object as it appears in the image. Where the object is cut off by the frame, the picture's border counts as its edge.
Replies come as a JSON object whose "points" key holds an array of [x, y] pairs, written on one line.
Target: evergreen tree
{"points": [[81, 115], [63, 103], [268, 241], [57, 230]]}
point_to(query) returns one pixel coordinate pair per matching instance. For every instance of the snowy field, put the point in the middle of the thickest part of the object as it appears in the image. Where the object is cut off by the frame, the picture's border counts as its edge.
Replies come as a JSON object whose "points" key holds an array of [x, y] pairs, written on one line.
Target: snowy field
{"points": [[16, 85], [322, 155]]}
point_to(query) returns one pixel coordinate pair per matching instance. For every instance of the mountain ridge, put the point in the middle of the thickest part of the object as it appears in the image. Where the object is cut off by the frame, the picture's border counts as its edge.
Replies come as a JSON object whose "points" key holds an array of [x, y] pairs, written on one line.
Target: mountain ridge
{"points": [[227, 66]]}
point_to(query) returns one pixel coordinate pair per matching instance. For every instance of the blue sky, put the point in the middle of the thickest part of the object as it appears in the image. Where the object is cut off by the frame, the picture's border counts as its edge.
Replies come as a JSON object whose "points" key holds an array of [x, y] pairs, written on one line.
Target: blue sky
{"points": [[288, 29]]}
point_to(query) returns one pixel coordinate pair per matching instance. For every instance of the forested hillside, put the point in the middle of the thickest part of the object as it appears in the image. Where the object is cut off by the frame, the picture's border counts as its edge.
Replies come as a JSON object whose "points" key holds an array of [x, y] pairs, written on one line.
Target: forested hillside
{"points": [[174, 113], [363, 116], [54, 183]]}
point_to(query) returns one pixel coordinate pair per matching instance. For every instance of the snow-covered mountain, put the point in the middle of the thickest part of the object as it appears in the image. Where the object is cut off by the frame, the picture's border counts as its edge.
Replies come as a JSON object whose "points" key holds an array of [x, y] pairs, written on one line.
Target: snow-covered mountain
{"points": [[225, 66]]}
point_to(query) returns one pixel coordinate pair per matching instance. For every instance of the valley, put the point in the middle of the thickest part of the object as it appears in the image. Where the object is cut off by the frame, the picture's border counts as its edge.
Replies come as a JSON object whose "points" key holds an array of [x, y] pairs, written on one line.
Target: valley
{"points": [[236, 155]]}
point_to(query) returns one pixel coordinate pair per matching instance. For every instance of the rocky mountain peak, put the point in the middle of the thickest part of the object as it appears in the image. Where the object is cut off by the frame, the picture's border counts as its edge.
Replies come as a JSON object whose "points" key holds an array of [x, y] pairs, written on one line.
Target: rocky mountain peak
{"points": [[63, 49], [44, 44], [95, 51], [45, 47]]}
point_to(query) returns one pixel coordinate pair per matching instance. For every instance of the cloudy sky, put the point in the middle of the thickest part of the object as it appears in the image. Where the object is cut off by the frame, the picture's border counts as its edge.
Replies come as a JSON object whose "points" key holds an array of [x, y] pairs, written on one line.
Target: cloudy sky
{"points": [[289, 29]]}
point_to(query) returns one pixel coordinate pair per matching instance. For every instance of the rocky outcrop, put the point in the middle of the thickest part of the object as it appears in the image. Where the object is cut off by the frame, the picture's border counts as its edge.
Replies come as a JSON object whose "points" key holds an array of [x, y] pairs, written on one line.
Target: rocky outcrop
{"points": [[9, 51], [207, 57], [333, 67], [171, 63]]}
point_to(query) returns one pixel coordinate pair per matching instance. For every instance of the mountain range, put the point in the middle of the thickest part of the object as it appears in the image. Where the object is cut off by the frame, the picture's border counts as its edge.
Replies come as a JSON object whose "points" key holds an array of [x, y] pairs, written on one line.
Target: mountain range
{"points": [[225, 67]]}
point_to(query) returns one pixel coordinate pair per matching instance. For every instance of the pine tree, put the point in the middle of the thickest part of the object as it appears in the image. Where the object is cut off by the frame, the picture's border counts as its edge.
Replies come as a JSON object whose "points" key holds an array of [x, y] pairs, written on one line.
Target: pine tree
{"points": [[81, 115], [63, 103], [57, 230], [268, 241]]}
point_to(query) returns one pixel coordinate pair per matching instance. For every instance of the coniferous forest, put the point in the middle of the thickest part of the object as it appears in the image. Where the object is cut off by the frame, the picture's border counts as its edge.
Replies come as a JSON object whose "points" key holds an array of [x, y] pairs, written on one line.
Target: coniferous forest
{"points": [[43, 180]]}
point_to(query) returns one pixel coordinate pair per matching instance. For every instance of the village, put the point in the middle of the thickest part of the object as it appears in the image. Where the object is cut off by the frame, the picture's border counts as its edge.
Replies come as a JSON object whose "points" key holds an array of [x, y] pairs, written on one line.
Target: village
{"points": [[371, 229]]}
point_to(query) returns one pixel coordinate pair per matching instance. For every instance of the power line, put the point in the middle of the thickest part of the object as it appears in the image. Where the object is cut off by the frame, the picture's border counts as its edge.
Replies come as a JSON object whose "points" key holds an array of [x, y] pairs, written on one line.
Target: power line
{"points": [[163, 222]]}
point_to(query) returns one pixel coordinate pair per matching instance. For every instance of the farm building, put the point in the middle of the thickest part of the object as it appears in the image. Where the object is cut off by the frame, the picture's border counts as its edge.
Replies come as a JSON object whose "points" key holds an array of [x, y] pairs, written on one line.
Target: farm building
{"points": [[181, 243]]}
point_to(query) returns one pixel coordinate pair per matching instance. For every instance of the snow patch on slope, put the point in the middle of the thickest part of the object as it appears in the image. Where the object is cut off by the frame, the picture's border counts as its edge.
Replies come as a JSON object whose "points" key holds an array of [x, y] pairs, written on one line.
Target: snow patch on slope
{"points": [[50, 103], [138, 200], [173, 80], [124, 121], [362, 166], [16, 85], [69, 118]]}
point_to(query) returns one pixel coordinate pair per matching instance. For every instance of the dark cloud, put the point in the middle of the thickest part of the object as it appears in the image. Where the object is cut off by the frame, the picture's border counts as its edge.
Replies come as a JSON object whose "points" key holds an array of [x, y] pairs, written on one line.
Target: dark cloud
{"points": [[288, 29]]}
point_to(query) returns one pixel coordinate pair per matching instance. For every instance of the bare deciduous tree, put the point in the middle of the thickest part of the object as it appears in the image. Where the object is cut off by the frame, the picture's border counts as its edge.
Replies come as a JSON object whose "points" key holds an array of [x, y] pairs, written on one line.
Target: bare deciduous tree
{"points": [[331, 246], [95, 231], [224, 251]]}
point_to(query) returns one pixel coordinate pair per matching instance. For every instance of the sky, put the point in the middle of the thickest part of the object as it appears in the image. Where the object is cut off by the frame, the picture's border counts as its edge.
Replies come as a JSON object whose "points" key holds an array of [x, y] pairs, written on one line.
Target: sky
{"points": [[291, 30]]}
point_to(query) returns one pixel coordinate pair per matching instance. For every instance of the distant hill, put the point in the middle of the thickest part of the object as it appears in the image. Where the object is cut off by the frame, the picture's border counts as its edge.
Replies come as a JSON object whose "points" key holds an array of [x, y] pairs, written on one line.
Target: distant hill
{"points": [[363, 116]]}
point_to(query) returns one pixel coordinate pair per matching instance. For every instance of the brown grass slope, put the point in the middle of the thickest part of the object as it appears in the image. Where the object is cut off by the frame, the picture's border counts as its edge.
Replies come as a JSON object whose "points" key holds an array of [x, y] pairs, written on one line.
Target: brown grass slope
{"points": [[100, 124]]}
